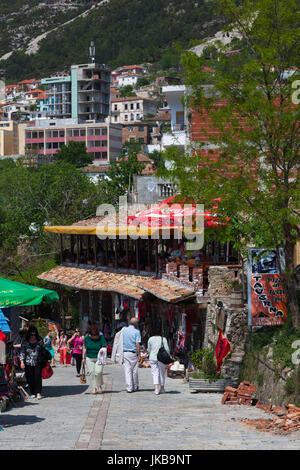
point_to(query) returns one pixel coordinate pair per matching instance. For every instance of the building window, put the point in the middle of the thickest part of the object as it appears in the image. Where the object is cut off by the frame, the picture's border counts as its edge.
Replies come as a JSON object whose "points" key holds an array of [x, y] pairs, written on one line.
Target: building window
{"points": [[138, 106], [131, 117], [141, 140], [131, 106], [126, 106], [126, 117], [116, 118], [141, 128], [166, 190], [130, 128], [116, 107]]}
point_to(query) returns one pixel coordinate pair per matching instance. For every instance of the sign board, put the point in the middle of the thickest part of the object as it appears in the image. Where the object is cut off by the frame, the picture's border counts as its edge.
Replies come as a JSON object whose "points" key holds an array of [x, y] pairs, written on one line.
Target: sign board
{"points": [[266, 297]]}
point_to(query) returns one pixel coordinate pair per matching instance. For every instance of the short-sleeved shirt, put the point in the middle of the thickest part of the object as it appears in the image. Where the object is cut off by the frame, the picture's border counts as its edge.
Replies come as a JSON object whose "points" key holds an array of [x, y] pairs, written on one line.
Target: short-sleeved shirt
{"points": [[131, 336], [93, 346]]}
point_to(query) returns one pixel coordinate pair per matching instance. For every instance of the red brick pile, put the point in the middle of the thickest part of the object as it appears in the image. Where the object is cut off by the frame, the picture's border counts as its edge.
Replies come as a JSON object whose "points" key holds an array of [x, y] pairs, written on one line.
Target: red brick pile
{"points": [[239, 396], [287, 419]]}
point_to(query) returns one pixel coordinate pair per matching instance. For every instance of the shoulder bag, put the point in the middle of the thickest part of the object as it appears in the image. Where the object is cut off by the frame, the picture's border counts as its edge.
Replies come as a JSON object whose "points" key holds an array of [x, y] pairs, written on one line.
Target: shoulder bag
{"points": [[162, 355], [82, 376]]}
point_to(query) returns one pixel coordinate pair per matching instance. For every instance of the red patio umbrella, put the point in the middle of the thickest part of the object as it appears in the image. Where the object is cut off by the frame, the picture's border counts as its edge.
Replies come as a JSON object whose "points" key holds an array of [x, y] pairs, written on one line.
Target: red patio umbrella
{"points": [[171, 214]]}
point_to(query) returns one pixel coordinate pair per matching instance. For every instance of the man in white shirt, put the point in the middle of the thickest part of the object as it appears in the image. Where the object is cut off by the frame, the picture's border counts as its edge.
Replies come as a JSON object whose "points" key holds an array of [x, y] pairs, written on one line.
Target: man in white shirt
{"points": [[131, 348]]}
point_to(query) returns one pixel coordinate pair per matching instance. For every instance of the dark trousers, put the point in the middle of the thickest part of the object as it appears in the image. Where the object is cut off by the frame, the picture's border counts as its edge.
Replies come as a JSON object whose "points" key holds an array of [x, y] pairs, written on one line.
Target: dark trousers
{"points": [[34, 378], [78, 360]]}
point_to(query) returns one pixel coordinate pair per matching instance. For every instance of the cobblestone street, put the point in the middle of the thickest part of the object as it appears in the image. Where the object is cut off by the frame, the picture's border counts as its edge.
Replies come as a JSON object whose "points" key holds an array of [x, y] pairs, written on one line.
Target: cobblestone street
{"points": [[68, 418]]}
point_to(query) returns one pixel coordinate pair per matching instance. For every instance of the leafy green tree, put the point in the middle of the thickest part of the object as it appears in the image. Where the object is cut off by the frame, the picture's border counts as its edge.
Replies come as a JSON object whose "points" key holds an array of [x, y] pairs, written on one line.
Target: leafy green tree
{"points": [[121, 173], [127, 90], [55, 194], [247, 102], [75, 153]]}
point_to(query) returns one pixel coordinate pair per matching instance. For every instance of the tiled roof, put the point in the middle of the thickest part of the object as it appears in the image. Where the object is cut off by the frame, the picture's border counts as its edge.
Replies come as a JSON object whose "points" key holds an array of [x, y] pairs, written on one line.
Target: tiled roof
{"points": [[133, 286], [91, 279], [165, 290]]}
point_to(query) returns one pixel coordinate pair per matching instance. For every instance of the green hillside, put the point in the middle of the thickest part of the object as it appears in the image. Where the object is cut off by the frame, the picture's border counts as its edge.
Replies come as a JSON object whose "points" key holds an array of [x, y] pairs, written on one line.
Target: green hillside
{"points": [[124, 32]]}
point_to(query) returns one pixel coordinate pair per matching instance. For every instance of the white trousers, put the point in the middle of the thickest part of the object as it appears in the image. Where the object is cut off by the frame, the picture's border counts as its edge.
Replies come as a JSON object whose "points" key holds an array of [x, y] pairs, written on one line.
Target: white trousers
{"points": [[131, 371], [158, 370], [94, 372]]}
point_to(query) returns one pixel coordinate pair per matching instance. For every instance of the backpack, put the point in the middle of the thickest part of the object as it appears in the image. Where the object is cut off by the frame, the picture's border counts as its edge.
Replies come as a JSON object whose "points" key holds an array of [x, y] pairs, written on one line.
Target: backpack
{"points": [[162, 355]]}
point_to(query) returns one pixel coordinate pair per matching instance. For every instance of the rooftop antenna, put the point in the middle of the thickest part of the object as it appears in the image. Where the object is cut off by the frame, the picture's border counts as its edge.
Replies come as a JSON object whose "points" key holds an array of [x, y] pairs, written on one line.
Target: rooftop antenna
{"points": [[92, 50]]}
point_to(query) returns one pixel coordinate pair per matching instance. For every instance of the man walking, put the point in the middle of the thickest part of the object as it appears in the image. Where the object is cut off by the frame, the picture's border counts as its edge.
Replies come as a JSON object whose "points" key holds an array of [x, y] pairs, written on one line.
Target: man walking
{"points": [[131, 348]]}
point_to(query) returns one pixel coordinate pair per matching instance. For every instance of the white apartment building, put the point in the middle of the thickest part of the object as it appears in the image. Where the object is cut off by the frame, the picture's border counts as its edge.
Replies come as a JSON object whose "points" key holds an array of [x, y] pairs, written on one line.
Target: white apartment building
{"points": [[131, 109]]}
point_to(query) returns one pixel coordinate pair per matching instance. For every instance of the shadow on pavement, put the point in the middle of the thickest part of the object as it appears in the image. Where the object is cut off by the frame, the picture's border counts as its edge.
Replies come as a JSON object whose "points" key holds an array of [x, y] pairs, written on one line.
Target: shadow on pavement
{"points": [[8, 421], [62, 390]]}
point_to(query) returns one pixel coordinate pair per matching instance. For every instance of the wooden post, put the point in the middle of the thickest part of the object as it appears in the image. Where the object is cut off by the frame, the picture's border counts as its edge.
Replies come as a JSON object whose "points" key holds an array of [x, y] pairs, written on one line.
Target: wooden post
{"points": [[106, 251], [156, 258], [116, 252], [95, 249], [127, 254], [78, 249], [61, 248], [72, 245], [137, 254], [149, 257]]}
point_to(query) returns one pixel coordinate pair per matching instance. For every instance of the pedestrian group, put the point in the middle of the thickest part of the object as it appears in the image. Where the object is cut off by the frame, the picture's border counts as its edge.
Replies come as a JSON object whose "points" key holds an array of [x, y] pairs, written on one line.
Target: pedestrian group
{"points": [[89, 353]]}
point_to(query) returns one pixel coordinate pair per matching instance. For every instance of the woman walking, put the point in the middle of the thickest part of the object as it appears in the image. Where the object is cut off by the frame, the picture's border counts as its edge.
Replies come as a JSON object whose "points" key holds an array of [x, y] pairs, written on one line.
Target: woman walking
{"points": [[77, 342], [48, 340], [158, 369], [62, 347], [30, 357], [93, 342]]}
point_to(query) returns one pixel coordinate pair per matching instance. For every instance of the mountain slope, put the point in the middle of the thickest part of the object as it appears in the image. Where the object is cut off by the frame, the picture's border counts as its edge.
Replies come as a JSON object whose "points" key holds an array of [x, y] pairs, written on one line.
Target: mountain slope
{"points": [[124, 32]]}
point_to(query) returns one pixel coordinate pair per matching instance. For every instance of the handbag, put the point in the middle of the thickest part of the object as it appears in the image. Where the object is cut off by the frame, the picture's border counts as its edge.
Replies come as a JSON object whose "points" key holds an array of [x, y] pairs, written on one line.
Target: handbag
{"points": [[47, 371], [82, 376], [162, 355], [44, 356]]}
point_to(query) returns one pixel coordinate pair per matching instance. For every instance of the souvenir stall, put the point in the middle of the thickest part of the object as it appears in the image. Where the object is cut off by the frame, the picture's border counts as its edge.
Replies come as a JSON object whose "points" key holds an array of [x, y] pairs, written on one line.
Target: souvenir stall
{"points": [[15, 294], [182, 325]]}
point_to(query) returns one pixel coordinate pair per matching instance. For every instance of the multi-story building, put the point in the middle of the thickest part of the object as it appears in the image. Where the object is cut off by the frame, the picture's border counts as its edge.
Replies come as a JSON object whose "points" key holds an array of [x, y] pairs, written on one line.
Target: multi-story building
{"points": [[45, 137], [11, 138], [132, 109], [83, 95], [179, 131]]}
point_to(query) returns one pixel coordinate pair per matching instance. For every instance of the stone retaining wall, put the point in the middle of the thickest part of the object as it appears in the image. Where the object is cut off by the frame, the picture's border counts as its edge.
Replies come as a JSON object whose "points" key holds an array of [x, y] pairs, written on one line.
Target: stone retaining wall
{"points": [[227, 311]]}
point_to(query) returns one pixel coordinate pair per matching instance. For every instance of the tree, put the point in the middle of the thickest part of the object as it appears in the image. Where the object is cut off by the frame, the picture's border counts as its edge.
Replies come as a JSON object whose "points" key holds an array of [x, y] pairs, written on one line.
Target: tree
{"points": [[75, 153], [56, 193], [127, 90], [248, 153], [121, 173]]}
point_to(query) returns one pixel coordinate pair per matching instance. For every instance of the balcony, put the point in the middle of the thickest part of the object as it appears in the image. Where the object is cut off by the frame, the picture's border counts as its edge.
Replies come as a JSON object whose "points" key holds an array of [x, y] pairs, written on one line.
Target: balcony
{"points": [[177, 135]]}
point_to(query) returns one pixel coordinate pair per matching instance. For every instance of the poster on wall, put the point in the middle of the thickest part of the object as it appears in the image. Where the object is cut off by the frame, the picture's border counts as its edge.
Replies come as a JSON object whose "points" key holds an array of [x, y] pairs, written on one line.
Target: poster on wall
{"points": [[266, 297]]}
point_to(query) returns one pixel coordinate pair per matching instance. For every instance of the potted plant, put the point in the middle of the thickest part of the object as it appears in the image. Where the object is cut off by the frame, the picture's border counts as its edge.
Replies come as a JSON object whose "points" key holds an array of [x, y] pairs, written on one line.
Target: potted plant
{"points": [[206, 378]]}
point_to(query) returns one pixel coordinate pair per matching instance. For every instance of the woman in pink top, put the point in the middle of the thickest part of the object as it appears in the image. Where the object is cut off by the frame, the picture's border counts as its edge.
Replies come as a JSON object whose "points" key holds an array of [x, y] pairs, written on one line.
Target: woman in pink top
{"points": [[62, 347], [77, 342]]}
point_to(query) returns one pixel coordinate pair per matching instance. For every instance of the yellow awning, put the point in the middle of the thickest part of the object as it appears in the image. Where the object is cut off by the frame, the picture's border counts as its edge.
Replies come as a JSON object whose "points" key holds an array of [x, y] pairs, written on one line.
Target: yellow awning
{"points": [[126, 230]]}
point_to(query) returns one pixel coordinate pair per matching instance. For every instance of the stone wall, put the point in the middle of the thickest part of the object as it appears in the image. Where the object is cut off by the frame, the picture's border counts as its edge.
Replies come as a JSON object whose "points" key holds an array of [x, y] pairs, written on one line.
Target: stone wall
{"points": [[227, 311]]}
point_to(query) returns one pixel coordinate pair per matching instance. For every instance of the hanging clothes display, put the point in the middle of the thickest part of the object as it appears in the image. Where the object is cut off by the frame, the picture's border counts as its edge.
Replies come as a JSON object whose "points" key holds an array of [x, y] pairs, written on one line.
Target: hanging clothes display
{"points": [[223, 349], [181, 335]]}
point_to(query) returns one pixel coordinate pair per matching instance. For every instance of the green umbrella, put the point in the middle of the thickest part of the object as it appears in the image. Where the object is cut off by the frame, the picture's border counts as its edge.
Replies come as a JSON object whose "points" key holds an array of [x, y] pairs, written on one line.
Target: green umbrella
{"points": [[13, 294]]}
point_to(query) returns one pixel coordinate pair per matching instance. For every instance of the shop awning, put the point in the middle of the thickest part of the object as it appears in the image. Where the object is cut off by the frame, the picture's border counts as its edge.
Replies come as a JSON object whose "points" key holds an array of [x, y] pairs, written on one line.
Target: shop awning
{"points": [[13, 294], [134, 230]]}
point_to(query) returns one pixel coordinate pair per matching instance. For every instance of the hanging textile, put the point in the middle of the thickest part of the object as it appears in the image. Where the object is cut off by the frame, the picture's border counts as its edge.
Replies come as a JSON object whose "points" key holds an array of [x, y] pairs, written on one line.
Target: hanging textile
{"points": [[223, 349], [141, 308], [190, 318], [4, 327], [181, 335], [2, 336]]}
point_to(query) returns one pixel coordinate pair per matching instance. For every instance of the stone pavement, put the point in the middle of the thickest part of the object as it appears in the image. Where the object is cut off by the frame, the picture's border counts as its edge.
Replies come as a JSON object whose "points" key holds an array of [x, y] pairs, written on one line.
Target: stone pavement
{"points": [[68, 418]]}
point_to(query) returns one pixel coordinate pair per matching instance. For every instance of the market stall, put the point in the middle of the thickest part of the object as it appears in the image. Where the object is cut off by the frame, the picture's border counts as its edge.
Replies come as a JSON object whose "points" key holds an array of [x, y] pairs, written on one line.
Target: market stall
{"points": [[15, 294]]}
